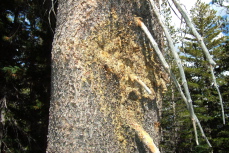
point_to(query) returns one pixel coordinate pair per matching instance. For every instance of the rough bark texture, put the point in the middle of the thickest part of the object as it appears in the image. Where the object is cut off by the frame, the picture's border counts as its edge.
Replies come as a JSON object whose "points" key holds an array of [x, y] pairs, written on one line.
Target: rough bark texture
{"points": [[96, 50]]}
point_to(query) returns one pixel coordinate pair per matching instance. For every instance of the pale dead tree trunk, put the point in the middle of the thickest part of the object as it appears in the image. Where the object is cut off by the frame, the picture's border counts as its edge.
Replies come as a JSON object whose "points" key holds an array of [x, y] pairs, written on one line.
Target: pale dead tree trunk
{"points": [[3, 106], [106, 80]]}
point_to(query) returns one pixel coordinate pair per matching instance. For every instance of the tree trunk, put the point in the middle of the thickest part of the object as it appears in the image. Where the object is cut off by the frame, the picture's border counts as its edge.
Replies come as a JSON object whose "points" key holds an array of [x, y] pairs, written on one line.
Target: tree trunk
{"points": [[100, 61]]}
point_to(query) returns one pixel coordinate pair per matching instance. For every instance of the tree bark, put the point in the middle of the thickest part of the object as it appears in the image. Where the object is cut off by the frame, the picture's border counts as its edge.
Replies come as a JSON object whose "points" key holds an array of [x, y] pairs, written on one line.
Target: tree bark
{"points": [[105, 78]]}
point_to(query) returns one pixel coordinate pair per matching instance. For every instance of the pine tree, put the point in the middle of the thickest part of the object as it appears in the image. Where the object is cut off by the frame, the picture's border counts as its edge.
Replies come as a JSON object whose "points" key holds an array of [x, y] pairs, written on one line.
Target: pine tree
{"points": [[206, 102]]}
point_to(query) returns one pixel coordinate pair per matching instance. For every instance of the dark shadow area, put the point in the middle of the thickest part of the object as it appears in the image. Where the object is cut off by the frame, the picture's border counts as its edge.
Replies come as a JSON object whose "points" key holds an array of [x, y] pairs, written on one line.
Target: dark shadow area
{"points": [[140, 146], [25, 74]]}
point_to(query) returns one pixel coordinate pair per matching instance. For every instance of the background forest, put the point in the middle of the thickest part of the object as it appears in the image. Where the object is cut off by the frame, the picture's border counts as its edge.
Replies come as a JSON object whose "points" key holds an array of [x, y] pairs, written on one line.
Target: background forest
{"points": [[26, 34], [175, 117], [25, 58]]}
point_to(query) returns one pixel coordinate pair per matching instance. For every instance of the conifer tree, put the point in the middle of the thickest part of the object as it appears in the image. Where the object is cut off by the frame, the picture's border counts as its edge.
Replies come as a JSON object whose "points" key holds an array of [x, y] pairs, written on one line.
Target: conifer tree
{"points": [[206, 101]]}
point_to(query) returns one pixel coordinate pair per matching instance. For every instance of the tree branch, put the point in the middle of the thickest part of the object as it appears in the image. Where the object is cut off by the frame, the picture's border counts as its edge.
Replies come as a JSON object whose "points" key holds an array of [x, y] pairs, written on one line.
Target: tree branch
{"points": [[134, 77], [130, 118], [145, 137], [205, 50], [195, 33], [180, 67], [220, 97], [165, 65]]}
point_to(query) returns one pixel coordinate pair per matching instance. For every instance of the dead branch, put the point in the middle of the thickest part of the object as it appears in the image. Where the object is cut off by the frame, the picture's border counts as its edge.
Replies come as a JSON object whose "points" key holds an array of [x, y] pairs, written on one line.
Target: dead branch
{"points": [[166, 67], [180, 67], [205, 50]]}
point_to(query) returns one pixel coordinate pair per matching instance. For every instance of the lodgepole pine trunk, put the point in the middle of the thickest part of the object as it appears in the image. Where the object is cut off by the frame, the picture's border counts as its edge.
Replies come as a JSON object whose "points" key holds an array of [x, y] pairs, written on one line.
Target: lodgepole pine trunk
{"points": [[106, 80]]}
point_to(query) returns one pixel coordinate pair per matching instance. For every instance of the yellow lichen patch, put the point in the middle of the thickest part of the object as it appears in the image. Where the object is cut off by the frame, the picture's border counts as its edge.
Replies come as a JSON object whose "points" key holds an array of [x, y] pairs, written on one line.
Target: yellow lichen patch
{"points": [[125, 71]]}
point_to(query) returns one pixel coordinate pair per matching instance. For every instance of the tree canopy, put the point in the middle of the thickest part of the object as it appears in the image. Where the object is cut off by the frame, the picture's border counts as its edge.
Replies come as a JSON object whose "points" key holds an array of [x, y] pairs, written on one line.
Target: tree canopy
{"points": [[204, 95], [25, 40]]}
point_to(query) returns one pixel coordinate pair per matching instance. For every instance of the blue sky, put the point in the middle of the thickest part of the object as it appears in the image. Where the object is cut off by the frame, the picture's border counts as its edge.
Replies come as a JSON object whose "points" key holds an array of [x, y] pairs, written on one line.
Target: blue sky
{"points": [[188, 4]]}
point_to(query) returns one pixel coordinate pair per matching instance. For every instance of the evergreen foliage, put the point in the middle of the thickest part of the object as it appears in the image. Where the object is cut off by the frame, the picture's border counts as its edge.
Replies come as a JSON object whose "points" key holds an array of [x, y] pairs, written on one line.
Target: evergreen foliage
{"points": [[204, 95], [25, 40]]}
